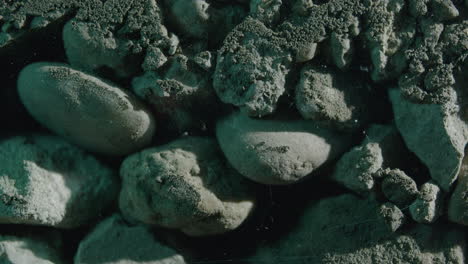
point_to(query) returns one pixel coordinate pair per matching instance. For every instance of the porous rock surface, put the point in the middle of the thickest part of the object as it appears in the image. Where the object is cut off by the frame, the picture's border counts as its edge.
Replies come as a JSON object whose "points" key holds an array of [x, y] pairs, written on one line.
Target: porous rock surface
{"points": [[46, 181], [346, 229], [185, 185], [113, 241], [340, 100]]}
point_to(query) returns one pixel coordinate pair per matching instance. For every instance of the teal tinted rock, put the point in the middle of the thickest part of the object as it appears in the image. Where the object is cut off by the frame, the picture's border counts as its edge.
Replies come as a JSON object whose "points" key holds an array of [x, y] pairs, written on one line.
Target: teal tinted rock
{"points": [[434, 133], [458, 205], [113, 241], [349, 230], [84, 109], [336, 99], [277, 151], [357, 167], [24, 249], [89, 47], [185, 185], [427, 208], [46, 181], [398, 187]]}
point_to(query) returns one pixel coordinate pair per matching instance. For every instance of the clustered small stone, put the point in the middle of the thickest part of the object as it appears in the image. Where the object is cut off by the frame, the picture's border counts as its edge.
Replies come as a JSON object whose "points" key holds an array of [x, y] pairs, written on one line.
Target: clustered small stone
{"points": [[202, 104]]}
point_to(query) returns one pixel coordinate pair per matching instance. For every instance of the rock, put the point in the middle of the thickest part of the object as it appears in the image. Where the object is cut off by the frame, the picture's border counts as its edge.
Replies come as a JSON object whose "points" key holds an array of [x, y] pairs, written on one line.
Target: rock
{"points": [[398, 187], [342, 50], [191, 16], [306, 52], [154, 59], [444, 9], [392, 216], [389, 32], [356, 168], [248, 77], [47, 181], [381, 148], [201, 19], [348, 230], [340, 100], [436, 135], [428, 206], [277, 151], [113, 241], [185, 185], [458, 205], [91, 48], [37, 248], [84, 109], [266, 11], [181, 95]]}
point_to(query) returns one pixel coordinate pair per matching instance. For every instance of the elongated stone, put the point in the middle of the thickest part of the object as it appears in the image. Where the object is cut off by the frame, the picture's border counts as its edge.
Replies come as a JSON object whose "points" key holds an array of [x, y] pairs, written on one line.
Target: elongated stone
{"points": [[84, 109]]}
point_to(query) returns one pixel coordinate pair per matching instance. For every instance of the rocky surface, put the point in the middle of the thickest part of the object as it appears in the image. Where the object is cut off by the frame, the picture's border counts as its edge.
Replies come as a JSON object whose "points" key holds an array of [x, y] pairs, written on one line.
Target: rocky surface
{"points": [[312, 99], [363, 238], [47, 181], [31, 246], [113, 240], [185, 185]]}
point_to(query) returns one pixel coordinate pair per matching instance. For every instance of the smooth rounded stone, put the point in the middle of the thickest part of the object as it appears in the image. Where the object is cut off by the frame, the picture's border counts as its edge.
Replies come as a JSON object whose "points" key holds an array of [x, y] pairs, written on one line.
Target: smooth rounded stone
{"points": [[349, 230], [398, 187], [44, 180], [340, 100], [277, 151], [113, 241], [84, 109], [185, 185], [25, 249], [458, 205], [90, 48], [428, 207]]}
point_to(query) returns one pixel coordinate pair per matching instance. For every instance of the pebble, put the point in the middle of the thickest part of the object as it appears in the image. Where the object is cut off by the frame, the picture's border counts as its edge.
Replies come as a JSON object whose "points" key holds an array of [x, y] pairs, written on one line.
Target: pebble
{"points": [[427, 208], [88, 111], [398, 187], [185, 185], [277, 151], [46, 181]]}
